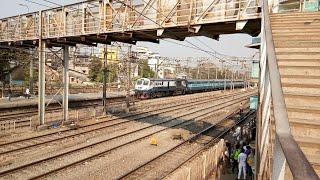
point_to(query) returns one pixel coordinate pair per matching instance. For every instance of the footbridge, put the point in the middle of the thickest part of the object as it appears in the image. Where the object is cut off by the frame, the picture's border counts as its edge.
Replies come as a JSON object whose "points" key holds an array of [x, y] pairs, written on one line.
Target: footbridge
{"points": [[103, 21]]}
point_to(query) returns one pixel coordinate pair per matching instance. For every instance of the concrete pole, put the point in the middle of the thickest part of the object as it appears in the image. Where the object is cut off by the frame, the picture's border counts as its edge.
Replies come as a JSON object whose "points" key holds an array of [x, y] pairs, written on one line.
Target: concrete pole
{"points": [[42, 80], [216, 72], [225, 75], [128, 64], [65, 100], [104, 89], [157, 68], [208, 73], [232, 79], [31, 76], [198, 72]]}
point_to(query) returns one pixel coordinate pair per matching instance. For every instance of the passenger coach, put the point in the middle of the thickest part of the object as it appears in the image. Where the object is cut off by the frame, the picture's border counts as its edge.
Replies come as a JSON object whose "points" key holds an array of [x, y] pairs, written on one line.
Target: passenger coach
{"points": [[151, 88]]}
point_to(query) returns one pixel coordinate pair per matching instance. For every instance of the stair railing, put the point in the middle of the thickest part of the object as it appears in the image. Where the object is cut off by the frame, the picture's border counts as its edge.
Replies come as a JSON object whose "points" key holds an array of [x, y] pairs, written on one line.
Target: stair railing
{"points": [[279, 147]]}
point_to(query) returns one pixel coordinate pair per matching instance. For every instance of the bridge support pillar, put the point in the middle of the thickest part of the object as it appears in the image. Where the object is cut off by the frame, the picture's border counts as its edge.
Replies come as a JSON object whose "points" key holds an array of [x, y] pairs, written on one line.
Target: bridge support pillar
{"points": [[65, 100], [42, 81]]}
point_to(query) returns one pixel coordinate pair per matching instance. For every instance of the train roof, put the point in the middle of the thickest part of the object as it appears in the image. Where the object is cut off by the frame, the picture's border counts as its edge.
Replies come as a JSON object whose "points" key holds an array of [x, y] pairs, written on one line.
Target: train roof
{"points": [[190, 80]]}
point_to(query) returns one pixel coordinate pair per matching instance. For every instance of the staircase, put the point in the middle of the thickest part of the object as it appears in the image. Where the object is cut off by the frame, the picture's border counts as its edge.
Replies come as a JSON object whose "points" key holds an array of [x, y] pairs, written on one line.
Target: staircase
{"points": [[297, 43]]}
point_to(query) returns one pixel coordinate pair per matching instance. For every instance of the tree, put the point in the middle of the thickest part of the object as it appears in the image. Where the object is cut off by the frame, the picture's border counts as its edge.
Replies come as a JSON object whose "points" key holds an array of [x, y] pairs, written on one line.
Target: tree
{"points": [[95, 70], [10, 60], [145, 70]]}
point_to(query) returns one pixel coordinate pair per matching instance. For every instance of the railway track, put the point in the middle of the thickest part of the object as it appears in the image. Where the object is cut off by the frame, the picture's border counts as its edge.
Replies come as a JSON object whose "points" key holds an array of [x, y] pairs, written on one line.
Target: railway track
{"points": [[164, 164], [23, 119], [25, 144], [24, 169]]}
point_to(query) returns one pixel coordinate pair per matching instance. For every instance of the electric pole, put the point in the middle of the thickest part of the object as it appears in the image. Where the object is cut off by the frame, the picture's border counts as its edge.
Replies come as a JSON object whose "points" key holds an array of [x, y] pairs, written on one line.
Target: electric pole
{"points": [[104, 93]]}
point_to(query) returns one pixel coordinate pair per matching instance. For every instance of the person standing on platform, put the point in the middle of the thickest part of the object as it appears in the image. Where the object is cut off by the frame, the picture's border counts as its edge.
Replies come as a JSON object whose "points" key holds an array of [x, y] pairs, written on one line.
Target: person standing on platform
{"points": [[241, 109], [119, 86], [9, 93], [27, 95], [235, 156], [242, 160]]}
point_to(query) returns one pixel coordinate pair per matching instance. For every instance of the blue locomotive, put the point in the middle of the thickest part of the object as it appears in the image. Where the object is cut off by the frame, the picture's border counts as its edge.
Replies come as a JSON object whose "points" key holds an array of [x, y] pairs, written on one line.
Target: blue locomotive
{"points": [[152, 88]]}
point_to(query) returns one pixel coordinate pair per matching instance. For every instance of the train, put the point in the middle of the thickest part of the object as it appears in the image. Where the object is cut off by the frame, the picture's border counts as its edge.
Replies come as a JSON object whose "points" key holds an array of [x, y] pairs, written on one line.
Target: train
{"points": [[152, 88]]}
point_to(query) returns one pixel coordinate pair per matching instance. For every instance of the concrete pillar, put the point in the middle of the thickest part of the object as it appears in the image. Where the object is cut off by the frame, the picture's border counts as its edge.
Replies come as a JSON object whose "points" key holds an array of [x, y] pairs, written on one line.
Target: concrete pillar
{"points": [[41, 81], [216, 73], [65, 100], [104, 91], [31, 76]]}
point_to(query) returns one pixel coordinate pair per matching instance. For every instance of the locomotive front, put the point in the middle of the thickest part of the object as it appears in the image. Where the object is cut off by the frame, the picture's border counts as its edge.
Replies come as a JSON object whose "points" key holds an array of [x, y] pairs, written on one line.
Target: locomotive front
{"points": [[141, 88]]}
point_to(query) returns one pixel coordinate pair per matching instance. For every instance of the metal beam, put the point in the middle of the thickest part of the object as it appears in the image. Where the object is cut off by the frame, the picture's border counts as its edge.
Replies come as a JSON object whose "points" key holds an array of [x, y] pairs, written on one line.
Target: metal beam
{"points": [[65, 100]]}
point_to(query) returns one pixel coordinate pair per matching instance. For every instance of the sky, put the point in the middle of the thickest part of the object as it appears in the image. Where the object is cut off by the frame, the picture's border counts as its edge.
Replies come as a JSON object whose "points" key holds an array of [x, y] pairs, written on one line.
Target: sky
{"points": [[232, 45]]}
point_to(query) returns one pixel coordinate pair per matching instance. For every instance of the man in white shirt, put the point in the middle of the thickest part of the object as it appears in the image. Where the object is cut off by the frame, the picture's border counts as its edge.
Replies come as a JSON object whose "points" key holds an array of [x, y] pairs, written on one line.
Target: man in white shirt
{"points": [[242, 160], [27, 93]]}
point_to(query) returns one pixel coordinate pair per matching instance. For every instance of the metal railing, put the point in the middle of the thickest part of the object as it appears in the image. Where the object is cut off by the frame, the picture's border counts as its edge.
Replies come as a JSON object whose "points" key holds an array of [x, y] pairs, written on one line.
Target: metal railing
{"points": [[99, 17], [278, 148]]}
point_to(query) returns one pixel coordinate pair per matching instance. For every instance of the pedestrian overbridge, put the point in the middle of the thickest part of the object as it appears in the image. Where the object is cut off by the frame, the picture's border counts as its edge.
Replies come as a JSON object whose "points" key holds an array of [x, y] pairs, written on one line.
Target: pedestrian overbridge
{"points": [[103, 21]]}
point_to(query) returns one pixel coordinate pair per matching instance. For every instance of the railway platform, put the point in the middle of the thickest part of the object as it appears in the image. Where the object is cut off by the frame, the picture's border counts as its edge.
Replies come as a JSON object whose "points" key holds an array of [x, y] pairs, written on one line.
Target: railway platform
{"points": [[18, 102]]}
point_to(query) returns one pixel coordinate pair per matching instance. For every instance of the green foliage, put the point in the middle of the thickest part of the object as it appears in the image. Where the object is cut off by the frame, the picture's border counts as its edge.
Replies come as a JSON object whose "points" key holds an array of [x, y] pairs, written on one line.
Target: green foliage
{"points": [[113, 72], [95, 70], [11, 59], [146, 71]]}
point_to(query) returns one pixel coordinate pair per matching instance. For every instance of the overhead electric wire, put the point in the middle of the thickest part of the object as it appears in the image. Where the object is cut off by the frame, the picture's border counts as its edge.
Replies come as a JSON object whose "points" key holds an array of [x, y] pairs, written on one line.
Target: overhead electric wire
{"points": [[30, 1], [52, 2]]}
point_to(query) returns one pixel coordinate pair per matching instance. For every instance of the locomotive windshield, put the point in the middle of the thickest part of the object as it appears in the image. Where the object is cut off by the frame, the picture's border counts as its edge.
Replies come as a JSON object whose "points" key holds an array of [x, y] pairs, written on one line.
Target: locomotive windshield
{"points": [[145, 82], [139, 82]]}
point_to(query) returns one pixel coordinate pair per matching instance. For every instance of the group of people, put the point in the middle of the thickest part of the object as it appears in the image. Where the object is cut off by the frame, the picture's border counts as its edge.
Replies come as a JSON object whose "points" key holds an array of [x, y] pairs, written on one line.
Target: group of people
{"points": [[26, 94], [241, 157]]}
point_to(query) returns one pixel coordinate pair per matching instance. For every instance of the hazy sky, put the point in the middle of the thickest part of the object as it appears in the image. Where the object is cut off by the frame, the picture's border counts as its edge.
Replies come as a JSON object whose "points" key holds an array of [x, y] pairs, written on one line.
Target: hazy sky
{"points": [[232, 45]]}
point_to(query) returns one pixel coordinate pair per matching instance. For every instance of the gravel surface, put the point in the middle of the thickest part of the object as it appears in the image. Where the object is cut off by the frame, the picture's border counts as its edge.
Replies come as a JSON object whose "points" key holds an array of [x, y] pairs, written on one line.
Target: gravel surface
{"points": [[122, 159]]}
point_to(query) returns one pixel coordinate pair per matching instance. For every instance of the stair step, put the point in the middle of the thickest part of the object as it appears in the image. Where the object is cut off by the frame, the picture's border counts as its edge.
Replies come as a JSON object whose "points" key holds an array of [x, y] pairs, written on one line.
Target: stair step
{"points": [[300, 70], [305, 122], [296, 28], [297, 37], [304, 21], [298, 56], [293, 30], [313, 91], [300, 82], [301, 99], [305, 115], [290, 62], [308, 128], [302, 87], [316, 33], [298, 50], [293, 25], [304, 109], [294, 14], [310, 146], [289, 19], [296, 44]]}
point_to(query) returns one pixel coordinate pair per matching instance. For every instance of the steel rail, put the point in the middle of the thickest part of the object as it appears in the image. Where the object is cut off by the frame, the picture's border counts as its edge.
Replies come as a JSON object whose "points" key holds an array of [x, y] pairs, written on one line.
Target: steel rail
{"points": [[300, 167], [107, 151], [104, 127], [192, 138], [6, 172], [126, 116]]}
